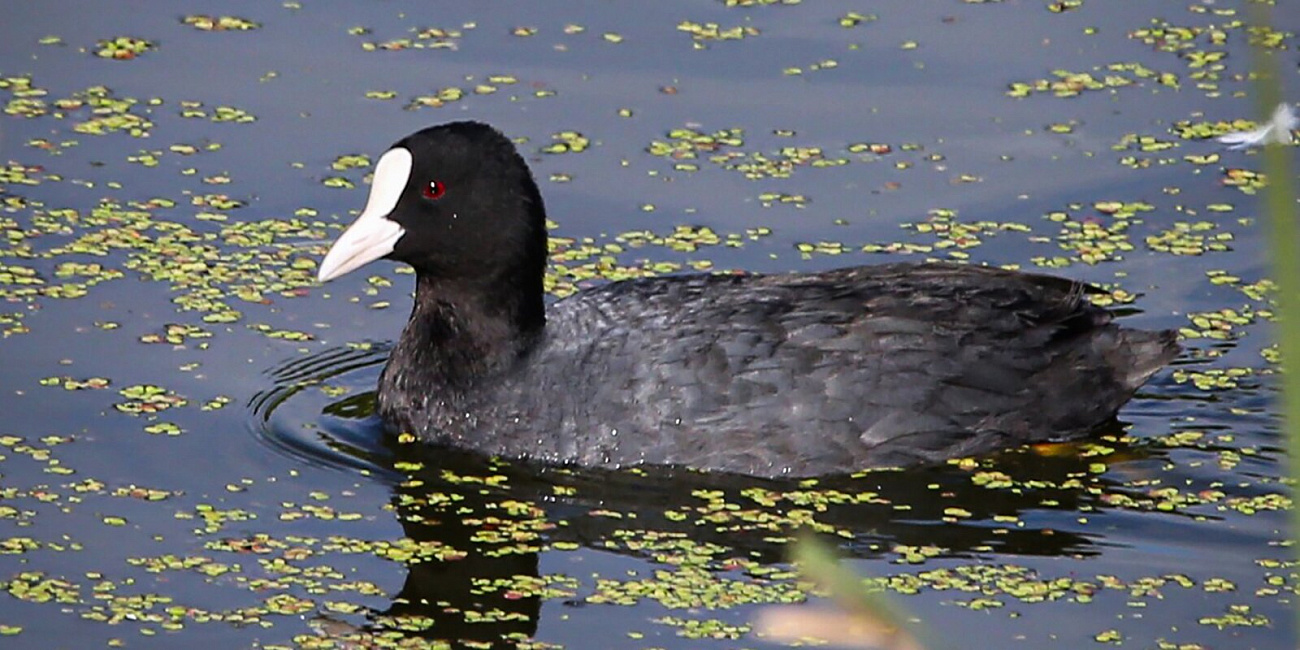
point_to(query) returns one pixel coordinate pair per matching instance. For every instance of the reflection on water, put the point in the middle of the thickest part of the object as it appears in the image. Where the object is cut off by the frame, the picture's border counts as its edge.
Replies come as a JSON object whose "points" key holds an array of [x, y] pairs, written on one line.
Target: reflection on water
{"points": [[479, 525]]}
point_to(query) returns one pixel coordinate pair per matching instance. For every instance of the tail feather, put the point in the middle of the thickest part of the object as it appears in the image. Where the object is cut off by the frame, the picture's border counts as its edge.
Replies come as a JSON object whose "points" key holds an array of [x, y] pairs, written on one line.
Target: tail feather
{"points": [[1148, 352]]}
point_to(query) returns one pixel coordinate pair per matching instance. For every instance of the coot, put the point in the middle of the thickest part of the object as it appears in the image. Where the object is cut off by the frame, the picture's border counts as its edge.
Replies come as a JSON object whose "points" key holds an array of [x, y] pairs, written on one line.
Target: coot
{"points": [[794, 374]]}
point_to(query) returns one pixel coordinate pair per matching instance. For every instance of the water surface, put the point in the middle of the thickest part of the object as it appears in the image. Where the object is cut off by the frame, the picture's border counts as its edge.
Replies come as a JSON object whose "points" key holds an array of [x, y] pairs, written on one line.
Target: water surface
{"points": [[189, 458]]}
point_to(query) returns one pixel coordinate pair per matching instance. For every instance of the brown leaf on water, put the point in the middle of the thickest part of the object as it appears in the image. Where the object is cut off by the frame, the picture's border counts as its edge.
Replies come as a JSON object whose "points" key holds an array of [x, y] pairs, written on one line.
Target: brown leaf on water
{"points": [[795, 623]]}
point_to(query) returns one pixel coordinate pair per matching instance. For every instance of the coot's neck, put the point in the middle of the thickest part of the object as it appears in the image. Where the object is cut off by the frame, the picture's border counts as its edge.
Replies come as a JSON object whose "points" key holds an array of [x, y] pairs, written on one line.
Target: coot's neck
{"points": [[463, 332]]}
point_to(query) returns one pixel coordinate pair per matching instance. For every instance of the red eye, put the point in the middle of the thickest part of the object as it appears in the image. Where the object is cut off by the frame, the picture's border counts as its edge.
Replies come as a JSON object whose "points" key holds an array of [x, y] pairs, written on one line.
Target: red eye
{"points": [[434, 190]]}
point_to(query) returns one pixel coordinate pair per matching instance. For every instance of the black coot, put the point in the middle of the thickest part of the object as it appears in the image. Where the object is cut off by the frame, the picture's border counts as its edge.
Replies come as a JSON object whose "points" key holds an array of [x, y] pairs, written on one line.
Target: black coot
{"points": [[794, 374]]}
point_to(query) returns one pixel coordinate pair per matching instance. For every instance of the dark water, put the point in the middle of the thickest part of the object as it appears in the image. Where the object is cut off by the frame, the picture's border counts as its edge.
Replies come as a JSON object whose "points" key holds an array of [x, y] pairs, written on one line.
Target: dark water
{"points": [[188, 458]]}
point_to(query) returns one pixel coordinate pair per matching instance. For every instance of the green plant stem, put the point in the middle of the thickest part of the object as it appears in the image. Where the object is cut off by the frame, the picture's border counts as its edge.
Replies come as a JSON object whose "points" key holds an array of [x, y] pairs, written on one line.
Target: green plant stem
{"points": [[1280, 208]]}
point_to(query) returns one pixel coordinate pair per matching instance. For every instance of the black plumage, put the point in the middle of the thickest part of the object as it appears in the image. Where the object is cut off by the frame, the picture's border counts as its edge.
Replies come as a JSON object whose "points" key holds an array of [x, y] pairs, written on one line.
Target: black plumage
{"points": [[783, 374]]}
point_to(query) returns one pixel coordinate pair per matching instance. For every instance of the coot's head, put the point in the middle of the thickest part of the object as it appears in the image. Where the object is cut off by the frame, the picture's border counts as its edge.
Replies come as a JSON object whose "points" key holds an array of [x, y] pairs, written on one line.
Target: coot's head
{"points": [[457, 203]]}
